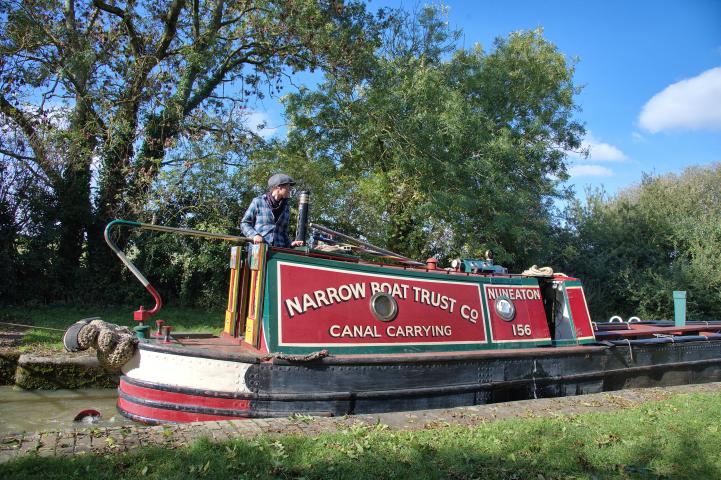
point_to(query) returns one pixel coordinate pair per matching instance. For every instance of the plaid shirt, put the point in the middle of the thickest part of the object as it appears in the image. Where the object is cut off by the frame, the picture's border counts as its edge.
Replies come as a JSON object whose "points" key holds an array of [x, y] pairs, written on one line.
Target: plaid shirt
{"points": [[259, 220]]}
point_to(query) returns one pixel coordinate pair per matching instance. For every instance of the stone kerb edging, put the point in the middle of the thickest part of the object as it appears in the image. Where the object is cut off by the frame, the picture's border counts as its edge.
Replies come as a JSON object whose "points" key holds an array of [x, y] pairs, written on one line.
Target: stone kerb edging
{"points": [[60, 371], [127, 438]]}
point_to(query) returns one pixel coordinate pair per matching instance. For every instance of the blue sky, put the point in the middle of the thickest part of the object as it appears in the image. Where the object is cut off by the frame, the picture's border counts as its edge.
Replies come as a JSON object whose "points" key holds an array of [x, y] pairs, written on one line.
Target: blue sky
{"points": [[651, 72]]}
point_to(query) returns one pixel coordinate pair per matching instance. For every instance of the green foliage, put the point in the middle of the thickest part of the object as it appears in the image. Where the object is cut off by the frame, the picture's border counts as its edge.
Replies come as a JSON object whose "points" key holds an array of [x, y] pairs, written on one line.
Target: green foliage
{"points": [[416, 146], [634, 250], [105, 95], [439, 154], [409, 142], [668, 439], [201, 196]]}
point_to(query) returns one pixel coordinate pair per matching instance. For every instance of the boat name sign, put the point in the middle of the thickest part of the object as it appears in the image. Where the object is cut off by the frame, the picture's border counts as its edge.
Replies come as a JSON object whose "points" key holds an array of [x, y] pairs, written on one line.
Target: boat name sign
{"points": [[355, 291], [319, 305]]}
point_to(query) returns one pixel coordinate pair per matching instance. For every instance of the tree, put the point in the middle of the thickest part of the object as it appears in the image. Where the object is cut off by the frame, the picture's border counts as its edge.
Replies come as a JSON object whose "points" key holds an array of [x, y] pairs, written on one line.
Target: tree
{"points": [[440, 151], [94, 95], [13, 181], [635, 249]]}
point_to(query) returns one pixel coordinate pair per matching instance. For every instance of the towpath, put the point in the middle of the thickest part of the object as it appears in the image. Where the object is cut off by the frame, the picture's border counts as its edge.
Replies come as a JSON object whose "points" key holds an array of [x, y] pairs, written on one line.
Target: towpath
{"points": [[124, 439]]}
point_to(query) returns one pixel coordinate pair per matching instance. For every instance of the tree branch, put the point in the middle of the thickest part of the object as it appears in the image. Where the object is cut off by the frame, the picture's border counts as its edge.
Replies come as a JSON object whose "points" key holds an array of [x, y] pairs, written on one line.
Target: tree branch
{"points": [[135, 43], [238, 17], [171, 25], [27, 162], [16, 155], [196, 19], [29, 129], [91, 23], [47, 94], [207, 88], [144, 66], [70, 25], [42, 25], [217, 17], [106, 7]]}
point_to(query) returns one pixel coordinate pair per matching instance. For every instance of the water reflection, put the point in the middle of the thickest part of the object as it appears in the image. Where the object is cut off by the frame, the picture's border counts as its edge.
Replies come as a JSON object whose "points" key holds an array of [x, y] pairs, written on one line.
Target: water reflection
{"points": [[36, 410]]}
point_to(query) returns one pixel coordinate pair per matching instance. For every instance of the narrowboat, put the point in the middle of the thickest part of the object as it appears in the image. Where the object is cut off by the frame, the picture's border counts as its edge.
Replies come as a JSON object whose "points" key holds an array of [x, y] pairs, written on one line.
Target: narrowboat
{"points": [[325, 331]]}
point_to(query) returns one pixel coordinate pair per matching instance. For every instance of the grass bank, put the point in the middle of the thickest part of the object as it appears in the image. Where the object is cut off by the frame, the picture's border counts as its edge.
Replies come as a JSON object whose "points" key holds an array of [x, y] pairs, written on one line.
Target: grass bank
{"points": [[61, 317], [674, 438]]}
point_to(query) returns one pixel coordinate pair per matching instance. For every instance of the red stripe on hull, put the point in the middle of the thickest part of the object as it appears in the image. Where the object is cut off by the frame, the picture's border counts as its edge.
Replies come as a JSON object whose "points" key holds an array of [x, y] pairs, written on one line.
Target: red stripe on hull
{"points": [[163, 415], [145, 393]]}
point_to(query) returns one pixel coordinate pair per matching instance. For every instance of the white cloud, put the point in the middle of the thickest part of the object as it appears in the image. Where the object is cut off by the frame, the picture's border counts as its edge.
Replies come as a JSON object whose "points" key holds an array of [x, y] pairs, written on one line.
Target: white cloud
{"points": [[603, 152], [599, 151], [590, 171], [691, 104]]}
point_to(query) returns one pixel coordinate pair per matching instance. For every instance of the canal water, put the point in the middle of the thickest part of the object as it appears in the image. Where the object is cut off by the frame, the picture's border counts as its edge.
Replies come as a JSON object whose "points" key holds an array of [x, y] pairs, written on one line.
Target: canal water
{"points": [[41, 410]]}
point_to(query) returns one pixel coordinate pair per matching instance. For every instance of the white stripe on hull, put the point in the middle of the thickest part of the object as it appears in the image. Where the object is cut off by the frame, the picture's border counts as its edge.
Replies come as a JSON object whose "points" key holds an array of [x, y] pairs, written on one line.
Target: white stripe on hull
{"points": [[187, 371]]}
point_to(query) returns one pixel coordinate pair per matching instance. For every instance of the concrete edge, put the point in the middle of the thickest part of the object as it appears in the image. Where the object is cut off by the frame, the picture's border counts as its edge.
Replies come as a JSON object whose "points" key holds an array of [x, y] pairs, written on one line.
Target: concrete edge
{"points": [[104, 441], [34, 371]]}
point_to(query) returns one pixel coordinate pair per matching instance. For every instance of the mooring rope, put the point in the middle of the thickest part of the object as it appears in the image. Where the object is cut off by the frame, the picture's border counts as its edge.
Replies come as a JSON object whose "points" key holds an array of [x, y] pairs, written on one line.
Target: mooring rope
{"points": [[296, 358], [33, 326]]}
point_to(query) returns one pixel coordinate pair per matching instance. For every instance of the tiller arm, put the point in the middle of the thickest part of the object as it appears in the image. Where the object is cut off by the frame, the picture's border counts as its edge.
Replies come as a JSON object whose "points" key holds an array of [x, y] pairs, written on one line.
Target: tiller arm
{"points": [[141, 314]]}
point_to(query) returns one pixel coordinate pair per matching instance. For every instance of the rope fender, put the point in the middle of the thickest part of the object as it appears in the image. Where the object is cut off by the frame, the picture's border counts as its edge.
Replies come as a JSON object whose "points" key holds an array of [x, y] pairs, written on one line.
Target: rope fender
{"points": [[115, 345]]}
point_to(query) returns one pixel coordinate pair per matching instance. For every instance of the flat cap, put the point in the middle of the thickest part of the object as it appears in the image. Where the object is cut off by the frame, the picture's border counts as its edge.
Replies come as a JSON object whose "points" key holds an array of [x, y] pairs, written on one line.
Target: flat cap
{"points": [[279, 179]]}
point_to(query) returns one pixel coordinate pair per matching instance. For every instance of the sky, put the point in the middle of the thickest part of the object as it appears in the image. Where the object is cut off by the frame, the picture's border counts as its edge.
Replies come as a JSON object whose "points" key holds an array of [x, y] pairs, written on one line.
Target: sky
{"points": [[650, 72]]}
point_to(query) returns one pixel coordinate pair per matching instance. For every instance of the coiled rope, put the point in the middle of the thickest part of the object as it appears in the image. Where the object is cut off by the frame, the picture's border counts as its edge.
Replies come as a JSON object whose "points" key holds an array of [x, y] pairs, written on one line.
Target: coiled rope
{"points": [[536, 271], [115, 345]]}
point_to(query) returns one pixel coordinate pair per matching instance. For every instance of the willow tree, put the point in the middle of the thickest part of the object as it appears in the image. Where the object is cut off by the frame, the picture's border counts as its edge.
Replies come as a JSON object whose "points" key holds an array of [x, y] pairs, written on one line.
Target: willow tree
{"points": [[441, 151], [94, 94]]}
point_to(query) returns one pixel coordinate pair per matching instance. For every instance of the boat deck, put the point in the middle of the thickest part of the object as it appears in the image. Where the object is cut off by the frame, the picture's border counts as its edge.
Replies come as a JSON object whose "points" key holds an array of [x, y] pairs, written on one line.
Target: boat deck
{"points": [[228, 347], [640, 330]]}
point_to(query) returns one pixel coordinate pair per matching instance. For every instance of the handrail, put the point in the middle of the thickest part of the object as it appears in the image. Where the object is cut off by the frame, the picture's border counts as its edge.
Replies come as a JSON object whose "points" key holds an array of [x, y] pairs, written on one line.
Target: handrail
{"points": [[141, 314]]}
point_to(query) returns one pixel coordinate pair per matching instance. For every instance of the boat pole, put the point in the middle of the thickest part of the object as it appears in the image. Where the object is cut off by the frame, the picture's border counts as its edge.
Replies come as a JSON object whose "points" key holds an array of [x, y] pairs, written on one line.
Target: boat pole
{"points": [[366, 244], [141, 314]]}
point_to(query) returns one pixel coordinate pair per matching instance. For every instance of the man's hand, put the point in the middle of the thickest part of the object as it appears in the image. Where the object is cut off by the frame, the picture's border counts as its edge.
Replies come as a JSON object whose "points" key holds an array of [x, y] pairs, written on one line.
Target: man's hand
{"points": [[257, 239], [297, 243]]}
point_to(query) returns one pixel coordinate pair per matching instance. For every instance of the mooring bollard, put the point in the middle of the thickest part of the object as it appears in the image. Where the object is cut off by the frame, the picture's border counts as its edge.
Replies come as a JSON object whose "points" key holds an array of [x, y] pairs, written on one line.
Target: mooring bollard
{"points": [[679, 308]]}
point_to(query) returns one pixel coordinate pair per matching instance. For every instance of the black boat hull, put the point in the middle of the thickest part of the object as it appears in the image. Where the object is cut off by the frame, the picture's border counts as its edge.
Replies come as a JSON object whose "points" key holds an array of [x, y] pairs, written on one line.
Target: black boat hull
{"points": [[346, 385]]}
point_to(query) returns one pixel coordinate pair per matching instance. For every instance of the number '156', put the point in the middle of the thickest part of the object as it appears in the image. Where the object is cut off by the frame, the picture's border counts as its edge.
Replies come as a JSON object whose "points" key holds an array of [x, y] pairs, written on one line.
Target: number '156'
{"points": [[521, 330]]}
